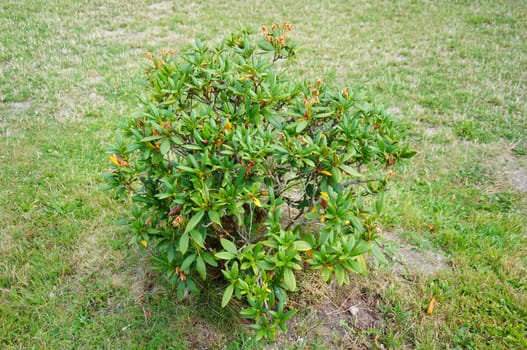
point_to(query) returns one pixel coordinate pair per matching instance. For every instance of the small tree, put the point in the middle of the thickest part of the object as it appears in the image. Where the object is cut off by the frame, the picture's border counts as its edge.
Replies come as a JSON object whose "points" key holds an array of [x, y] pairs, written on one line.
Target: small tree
{"points": [[234, 167]]}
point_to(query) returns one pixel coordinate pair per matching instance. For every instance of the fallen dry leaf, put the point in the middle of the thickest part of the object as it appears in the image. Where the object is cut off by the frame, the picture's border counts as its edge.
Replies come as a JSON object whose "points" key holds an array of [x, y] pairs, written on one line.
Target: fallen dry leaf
{"points": [[431, 306]]}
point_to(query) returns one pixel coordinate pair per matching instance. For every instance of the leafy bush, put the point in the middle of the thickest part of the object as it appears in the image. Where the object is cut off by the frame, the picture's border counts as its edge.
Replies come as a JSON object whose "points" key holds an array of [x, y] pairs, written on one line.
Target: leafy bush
{"points": [[235, 167]]}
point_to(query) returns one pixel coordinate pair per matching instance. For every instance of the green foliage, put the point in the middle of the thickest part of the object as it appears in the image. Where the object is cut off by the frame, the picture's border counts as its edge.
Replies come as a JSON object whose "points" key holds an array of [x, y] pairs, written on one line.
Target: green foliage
{"points": [[234, 167]]}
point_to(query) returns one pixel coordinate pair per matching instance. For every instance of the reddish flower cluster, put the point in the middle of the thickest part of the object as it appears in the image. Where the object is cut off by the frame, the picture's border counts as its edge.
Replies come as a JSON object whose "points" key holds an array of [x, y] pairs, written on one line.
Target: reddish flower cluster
{"points": [[276, 35]]}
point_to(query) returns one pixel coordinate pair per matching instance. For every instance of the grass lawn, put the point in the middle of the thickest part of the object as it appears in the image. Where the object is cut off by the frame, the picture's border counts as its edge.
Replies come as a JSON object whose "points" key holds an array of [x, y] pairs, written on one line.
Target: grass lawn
{"points": [[455, 225]]}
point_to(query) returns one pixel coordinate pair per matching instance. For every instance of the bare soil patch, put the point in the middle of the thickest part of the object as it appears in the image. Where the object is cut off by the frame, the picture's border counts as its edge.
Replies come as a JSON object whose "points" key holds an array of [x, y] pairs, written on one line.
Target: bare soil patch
{"points": [[12, 110], [510, 169], [394, 110], [410, 259], [432, 131], [518, 177], [91, 255], [205, 336], [151, 35], [339, 317], [165, 6], [16, 107]]}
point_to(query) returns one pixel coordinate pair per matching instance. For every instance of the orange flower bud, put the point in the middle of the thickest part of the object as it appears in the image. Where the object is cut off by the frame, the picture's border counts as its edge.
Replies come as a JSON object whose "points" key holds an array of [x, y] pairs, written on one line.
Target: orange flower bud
{"points": [[148, 55], [177, 221], [228, 126]]}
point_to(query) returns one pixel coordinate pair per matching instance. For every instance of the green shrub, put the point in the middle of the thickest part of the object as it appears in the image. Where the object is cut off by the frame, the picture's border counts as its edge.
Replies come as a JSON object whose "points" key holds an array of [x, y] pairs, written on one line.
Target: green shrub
{"points": [[237, 171]]}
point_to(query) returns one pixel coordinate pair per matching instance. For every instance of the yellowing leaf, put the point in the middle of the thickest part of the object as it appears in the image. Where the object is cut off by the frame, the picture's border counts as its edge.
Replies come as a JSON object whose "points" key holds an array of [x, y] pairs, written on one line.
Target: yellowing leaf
{"points": [[114, 160], [325, 172], [362, 262], [118, 160], [324, 194], [144, 243], [322, 219], [431, 306], [256, 202], [228, 126]]}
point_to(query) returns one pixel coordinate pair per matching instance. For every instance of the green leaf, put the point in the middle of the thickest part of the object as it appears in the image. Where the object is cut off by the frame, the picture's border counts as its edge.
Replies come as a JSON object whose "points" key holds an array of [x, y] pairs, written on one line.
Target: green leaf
{"points": [[192, 147], [360, 248], [301, 126], [379, 255], [356, 266], [340, 274], [183, 243], [264, 265], [302, 246], [234, 270], [289, 279], [336, 174], [350, 170], [239, 179], [227, 295], [187, 262], [312, 215], [275, 121], [378, 203], [214, 217], [249, 312], [228, 246], [132, 147], [165, 146], [270, 243], [197, 237], [209, 259], [151, 138], [355, 222], [176, 140], [266, 46], [408, 154], [286, 317], [192, 286], [200, 267], [194, 221], [181, 290], [187, 169], [278, 149], [225, 255], [326, 274], [171, 254]]}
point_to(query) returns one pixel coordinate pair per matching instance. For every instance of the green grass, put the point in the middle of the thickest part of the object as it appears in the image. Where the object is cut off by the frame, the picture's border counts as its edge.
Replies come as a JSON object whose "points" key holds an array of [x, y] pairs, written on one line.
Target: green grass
{"points": [[453, 71]]}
